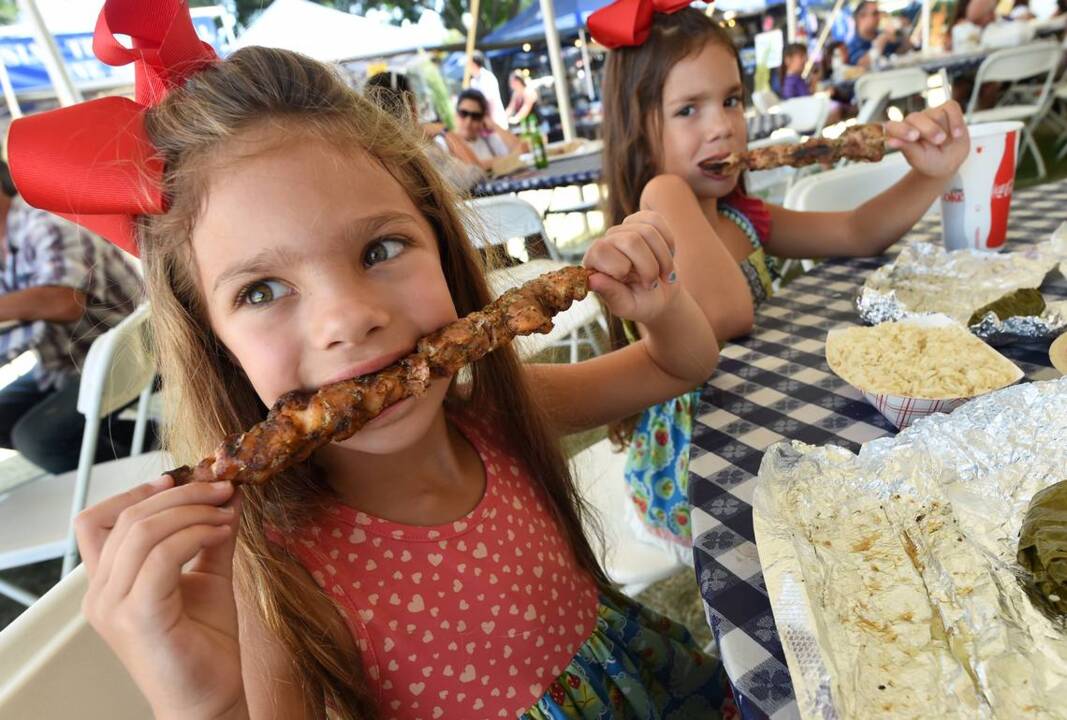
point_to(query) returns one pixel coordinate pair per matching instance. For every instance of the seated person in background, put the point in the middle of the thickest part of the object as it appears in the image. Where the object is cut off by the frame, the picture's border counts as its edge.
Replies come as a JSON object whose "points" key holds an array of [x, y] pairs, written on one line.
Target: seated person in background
{"points": [[449, 153], [62, 287], [487, 140], [793, 84], [869, 44], [835, 68], [1021, 11], [523, 99], [972, 17]]}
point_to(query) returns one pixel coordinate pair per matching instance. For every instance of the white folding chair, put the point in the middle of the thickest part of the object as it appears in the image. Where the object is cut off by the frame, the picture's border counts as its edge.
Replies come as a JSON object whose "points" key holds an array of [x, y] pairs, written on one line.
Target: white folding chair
{"points": [[1036, 61], [764, 100], [893, 84], [845, 188], [873, 108], [582, 206], [842, 189], [54, 665], [503, 217], [494, 221], [116, 371], [807, 115], [627, 560], [1060, 93]]}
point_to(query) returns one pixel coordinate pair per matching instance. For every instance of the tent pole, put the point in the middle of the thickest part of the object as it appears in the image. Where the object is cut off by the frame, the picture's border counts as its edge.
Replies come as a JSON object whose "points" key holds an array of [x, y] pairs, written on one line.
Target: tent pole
{"points": [[13, 107], [555, 57], [790, 21], [53, 61], [472, 33], [924, 22], [587, 63], [823, 34]]}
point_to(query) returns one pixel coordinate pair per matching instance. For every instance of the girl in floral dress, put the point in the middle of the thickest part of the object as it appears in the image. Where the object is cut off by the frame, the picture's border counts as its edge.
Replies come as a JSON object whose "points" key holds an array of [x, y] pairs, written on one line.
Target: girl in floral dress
{"points": [[673, 101]]}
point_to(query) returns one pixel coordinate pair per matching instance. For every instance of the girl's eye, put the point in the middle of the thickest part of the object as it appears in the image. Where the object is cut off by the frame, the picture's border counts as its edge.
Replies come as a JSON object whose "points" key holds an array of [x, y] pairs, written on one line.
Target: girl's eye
{"points": [[734, 101], [381, 250], [262, 292], [686, 111]]}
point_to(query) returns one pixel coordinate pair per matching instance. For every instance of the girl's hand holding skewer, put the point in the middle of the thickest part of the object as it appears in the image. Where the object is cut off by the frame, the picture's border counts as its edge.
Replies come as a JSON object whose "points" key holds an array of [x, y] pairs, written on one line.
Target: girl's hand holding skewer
{"points": [[934, 141], [160, 567], [633, 267]]}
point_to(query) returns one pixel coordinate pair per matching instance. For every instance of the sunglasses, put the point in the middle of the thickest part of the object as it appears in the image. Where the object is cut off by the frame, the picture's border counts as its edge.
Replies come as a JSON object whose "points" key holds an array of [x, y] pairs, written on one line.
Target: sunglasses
{"points": [[469, 114]]}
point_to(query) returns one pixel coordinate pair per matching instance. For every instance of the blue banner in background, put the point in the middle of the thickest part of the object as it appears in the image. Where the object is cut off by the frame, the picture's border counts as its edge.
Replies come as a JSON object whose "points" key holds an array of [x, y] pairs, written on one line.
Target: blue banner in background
{"points": [[20, 56]]}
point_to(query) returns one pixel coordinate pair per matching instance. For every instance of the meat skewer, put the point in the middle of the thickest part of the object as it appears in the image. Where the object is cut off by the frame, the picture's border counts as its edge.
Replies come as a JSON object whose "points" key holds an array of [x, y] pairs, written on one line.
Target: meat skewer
{"points": [[302, 421], [859, 142]]}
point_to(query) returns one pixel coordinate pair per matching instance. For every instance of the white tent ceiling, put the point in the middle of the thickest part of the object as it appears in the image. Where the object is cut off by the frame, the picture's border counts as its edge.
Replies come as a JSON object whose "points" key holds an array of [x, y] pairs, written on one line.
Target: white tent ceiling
{"points": [[327, 34]]}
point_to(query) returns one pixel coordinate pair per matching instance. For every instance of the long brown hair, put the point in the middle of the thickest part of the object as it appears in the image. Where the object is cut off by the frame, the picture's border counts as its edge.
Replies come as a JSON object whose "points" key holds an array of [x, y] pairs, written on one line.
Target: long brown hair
{"points": [[633, 115], [207, 394]]}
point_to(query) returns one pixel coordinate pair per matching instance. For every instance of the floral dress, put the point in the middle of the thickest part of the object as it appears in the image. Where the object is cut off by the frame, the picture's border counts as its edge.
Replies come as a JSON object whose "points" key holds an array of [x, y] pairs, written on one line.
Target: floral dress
{"points": [[490, 616], [657, 465]]}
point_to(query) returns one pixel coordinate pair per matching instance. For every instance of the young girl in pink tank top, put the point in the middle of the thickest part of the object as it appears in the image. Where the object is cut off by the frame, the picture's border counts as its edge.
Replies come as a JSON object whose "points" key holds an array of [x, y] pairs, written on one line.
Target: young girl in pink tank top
{"points": [[432, 565]]}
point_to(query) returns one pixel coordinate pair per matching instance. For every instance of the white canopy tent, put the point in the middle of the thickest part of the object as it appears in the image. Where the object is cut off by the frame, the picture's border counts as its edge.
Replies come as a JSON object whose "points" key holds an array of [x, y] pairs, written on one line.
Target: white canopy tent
{"points": [[55, 36], [41, 26], [330, 35]]}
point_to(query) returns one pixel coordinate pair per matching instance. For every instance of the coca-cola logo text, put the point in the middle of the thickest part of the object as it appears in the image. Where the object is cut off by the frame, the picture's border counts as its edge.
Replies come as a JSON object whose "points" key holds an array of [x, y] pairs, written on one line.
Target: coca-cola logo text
{"points": [[954, 196], [1003, 190]]}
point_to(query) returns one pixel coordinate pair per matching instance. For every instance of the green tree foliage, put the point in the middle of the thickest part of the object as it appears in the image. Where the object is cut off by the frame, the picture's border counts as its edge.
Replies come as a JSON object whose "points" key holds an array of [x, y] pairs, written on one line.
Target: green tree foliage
{"points": [[9, 12], [490, 12]]}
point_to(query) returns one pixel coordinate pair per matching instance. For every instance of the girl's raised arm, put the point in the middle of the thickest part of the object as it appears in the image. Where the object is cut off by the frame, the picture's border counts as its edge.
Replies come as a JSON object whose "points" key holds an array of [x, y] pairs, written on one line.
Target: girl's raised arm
{"points": [[706, 268], [935, 143], [636, 279]]}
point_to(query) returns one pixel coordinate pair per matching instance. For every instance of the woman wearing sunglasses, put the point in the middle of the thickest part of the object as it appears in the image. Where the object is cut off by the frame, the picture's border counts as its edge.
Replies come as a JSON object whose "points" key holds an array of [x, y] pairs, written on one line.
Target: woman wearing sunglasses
{"points": [[485, 138]]}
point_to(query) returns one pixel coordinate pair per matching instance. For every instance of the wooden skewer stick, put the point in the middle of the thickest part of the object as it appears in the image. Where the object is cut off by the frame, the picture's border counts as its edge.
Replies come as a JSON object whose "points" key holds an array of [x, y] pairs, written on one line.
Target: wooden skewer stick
{"points": [[301, 421]]}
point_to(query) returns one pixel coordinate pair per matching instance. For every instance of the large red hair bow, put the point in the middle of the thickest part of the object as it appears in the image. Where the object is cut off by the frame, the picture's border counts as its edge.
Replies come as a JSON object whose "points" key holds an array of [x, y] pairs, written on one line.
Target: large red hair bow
{"points": [[92, 162], [628, 22]]}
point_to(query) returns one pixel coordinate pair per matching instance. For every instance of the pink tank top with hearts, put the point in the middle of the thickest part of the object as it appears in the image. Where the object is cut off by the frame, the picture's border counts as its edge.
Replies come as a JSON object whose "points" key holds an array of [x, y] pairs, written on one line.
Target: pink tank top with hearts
{"points": [[470, 619]]}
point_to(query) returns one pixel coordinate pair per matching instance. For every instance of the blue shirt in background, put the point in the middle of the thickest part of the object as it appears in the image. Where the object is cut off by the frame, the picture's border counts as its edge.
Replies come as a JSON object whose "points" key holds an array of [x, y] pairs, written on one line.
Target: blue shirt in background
{"points": [[858, 47]]}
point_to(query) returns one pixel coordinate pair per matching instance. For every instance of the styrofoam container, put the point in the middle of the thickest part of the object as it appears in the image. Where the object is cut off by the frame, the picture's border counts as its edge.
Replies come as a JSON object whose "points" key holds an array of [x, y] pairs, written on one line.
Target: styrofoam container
{"points": [[902, 411]]}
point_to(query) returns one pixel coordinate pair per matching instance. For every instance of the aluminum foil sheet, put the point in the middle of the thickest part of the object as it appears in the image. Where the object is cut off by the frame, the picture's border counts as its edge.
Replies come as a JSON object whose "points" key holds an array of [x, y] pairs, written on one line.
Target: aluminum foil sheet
{"points": [[925, 278], [892, 573]]}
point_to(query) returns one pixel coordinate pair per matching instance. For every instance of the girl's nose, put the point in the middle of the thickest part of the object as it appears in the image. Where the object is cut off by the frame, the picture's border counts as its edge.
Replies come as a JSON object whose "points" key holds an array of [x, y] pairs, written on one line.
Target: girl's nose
{"points": [[346, 312], [717, 127]]}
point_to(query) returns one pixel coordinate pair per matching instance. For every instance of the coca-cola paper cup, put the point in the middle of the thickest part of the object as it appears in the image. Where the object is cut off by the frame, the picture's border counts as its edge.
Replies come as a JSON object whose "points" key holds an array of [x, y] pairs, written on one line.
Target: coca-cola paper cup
{"points": [[974, 208]]}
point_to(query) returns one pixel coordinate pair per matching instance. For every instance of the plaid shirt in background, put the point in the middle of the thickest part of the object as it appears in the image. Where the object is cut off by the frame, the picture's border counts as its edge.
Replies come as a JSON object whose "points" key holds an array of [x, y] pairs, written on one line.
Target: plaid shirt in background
{"points": [[41, 249]]}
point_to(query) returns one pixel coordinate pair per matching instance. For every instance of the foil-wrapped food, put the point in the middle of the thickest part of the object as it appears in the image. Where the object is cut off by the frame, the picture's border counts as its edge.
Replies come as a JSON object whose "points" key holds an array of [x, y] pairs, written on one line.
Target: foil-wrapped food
{"points": [[976, 288], [895, 575]]}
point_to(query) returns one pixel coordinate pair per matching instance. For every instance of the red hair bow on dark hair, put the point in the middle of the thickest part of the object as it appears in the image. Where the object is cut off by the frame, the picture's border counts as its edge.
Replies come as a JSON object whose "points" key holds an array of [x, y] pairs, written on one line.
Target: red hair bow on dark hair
{"points": [[628, 22], [93, 163]]}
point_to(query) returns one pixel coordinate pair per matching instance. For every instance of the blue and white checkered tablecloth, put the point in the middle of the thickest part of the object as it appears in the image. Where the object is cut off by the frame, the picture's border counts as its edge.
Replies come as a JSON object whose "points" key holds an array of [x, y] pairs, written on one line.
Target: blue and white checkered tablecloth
{"points": [[953, 63], [570, 170], [586, 168], [775, 385], [763, 124]]}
